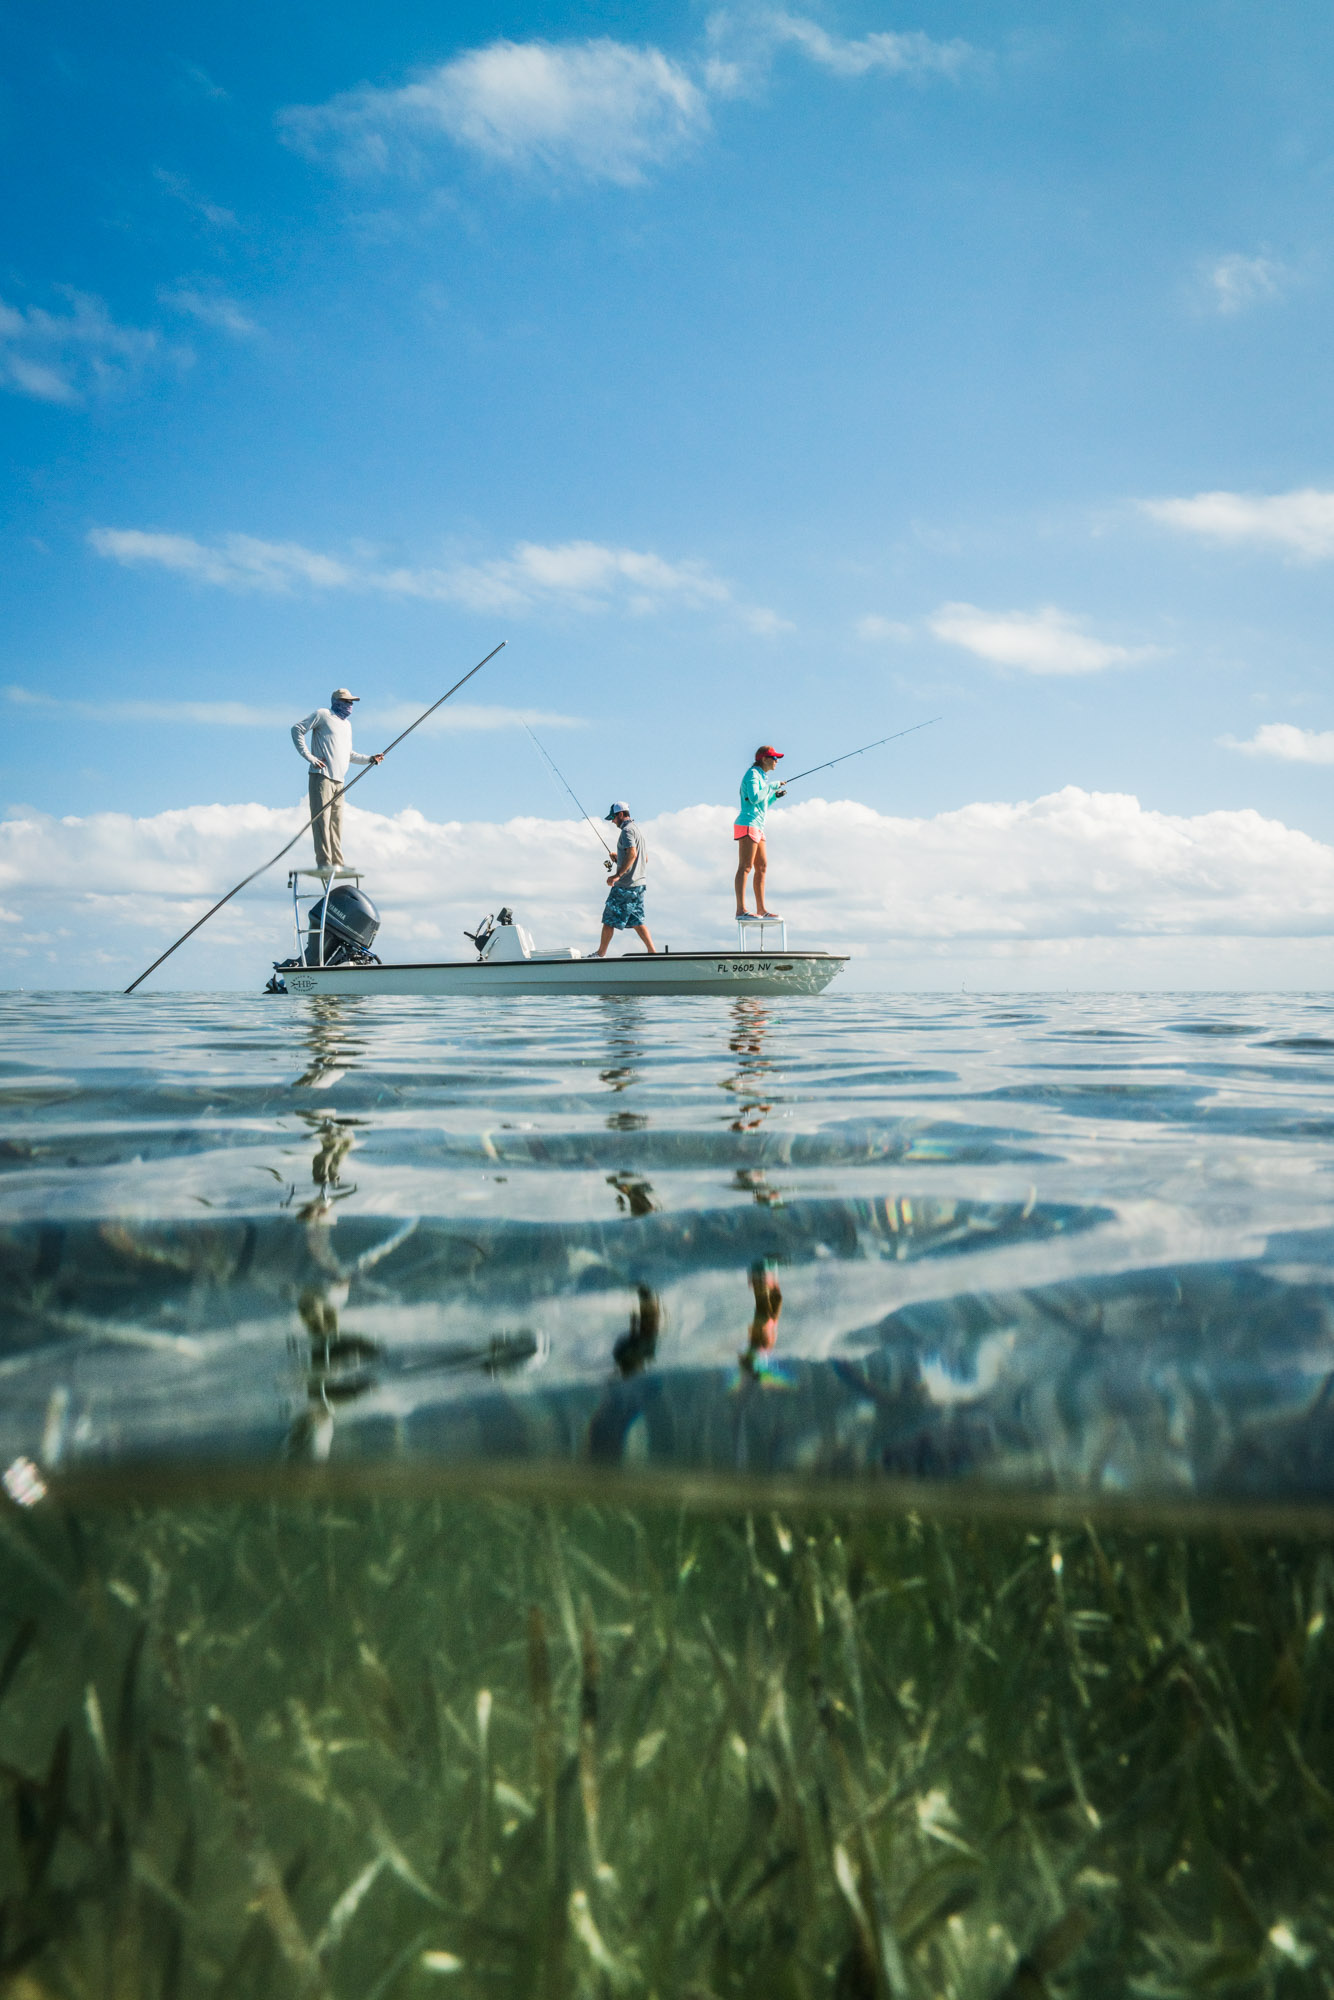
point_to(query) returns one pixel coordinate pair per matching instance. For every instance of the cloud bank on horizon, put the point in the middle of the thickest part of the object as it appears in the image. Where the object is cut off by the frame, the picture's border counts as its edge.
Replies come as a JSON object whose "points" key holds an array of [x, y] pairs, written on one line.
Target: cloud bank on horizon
{"points": [[1068, 867]]}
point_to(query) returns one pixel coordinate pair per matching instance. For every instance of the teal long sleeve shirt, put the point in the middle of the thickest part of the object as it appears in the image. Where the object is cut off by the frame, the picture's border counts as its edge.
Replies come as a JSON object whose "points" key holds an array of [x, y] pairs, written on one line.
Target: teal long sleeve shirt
{"points": [[756, 792]]}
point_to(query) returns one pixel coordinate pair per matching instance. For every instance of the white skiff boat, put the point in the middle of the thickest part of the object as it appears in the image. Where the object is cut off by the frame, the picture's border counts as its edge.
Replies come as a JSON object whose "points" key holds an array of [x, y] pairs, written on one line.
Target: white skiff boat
{"points": [[334, 956]]}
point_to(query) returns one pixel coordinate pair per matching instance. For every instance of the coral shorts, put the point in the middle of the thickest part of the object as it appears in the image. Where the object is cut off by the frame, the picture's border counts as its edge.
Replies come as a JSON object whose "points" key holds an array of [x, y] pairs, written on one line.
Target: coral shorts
{"points": [[740, 832]]}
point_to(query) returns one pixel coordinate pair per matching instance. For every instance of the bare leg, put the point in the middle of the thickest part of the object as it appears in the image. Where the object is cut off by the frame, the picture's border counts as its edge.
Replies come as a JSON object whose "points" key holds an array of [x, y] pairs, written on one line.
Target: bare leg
{"points": [[641, 930], [750, 854], [761, 870], [607, 935]]}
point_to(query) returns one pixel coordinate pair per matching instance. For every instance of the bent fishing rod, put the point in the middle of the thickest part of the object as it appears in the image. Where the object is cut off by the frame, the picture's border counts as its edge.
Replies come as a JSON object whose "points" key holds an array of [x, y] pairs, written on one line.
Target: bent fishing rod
{"points": [[342, 789], [555, 767], [862, 752]]}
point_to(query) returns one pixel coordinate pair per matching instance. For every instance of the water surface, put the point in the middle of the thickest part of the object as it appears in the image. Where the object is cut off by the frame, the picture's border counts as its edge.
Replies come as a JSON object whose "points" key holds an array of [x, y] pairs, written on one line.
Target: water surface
{"points": [[1063, 1244]]}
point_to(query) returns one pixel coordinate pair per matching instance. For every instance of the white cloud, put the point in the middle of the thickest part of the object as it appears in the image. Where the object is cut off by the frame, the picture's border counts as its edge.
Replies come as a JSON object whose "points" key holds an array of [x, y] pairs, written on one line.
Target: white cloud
{"points": [[1235, 282], [181, 190], [599, 109], [910, 54], [386, 718], [211, 309], [211, 714], [581, 575], [1093, 869], [1301, 522], [238, 562], [1284, 740], [1046, 641], [874, 628], [67, 357]]}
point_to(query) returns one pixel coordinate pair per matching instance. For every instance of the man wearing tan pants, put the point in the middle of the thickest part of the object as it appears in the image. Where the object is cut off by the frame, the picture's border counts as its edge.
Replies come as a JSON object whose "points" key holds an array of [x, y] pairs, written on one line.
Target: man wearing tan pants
{"points": [[330, 753]]}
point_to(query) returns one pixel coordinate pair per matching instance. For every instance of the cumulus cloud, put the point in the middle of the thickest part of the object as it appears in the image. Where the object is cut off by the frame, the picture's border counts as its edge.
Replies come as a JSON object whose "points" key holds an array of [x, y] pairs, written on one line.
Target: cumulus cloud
{"points": [[455, 717], [1046, 641], [1235, 282], [1072, 866], [68, 357], [1300, 522], [582, 575], [1286, 741], [596, 110], [212, 309]]}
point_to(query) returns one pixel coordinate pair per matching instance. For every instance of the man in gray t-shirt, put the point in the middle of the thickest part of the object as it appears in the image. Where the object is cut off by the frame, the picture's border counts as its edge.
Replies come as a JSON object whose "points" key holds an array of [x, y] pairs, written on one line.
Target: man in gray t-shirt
{"points": [[624, 908]]}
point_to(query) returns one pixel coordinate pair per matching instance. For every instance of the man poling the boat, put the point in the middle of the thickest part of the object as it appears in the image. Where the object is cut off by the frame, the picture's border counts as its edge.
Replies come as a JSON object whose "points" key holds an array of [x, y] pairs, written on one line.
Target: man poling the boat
{"points": [[246, 880], [759, 788], [624, 908], [330, 753]]}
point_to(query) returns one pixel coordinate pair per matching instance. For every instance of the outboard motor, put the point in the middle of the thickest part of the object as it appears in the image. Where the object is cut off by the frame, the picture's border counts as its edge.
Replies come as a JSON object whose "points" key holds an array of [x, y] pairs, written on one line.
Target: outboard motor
{"points": [[350, 922]]}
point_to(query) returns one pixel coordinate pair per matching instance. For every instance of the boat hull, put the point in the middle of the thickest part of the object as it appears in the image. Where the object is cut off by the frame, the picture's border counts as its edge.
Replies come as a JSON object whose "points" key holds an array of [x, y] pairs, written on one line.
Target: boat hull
{"points": [[686, 972]]}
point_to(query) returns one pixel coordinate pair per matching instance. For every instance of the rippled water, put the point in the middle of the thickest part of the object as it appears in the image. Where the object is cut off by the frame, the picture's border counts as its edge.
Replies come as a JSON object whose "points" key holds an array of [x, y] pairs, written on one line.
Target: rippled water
{"points": [[1056, 1243]]}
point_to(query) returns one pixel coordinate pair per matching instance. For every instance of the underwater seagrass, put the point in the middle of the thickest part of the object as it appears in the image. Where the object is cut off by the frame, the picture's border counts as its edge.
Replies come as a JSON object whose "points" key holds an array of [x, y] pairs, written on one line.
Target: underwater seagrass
{"points": [[396, 1746]]}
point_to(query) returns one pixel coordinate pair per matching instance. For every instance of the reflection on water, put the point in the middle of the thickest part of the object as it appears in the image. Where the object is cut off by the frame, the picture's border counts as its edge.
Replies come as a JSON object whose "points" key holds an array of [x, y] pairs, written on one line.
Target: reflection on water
{"points": [[1079, 1245], [763, 1336], [636, 1348], [749, 1082], [634, 1195]]}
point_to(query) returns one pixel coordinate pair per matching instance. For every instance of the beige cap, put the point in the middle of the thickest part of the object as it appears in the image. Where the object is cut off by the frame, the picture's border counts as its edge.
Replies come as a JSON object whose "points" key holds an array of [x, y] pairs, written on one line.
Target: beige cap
{"points": [[344, 694]]}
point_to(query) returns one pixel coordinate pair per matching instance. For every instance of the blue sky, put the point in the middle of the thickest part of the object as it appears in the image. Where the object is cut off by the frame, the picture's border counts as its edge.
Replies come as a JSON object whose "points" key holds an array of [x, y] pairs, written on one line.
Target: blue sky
{"points": [[755, 373]]}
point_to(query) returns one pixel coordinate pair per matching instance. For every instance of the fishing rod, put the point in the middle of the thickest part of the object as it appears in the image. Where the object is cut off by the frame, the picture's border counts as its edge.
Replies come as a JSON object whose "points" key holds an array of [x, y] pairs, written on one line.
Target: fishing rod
{"points": [[344, 789], [862, 752], [588, 816]]}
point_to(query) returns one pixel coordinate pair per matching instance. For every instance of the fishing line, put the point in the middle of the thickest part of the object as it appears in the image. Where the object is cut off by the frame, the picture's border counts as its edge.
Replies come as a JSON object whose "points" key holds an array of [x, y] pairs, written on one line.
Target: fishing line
{"points": [[862, 752], [585, 815], [343, 790]]}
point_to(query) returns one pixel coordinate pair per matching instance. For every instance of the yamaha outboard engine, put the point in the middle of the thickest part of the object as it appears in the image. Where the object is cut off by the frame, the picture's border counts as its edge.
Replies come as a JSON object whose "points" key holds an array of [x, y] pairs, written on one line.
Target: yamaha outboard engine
{"points": [[350, 921]]}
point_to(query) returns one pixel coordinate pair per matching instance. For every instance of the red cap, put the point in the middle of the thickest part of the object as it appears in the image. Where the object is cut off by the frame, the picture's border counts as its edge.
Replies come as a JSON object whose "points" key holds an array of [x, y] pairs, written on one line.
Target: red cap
{"points": [[767, 750]]}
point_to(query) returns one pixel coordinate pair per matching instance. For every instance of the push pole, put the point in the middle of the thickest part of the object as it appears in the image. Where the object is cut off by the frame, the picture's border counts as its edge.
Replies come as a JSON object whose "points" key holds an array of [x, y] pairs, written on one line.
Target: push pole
{"points": [[344, 789]]}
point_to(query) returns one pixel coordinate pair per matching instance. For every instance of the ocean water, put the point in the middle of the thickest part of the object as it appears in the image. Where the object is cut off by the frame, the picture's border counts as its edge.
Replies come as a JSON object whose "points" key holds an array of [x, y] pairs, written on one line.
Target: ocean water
{"points": [[825, 1500], [1052, 1244]]}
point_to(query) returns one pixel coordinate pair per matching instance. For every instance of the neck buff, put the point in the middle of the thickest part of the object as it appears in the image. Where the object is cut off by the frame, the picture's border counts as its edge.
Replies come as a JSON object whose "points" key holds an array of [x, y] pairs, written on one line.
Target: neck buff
{"points": [[342, 709]]}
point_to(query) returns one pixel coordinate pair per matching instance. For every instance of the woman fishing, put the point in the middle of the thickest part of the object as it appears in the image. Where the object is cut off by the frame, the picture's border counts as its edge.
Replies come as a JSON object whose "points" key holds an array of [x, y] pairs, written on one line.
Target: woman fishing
{"points": [[758, 790]]}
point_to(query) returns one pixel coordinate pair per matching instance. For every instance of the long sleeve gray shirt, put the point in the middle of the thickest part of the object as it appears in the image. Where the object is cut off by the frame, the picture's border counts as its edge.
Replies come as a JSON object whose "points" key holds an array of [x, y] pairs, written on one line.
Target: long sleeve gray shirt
{"points": [[330, 742]]}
